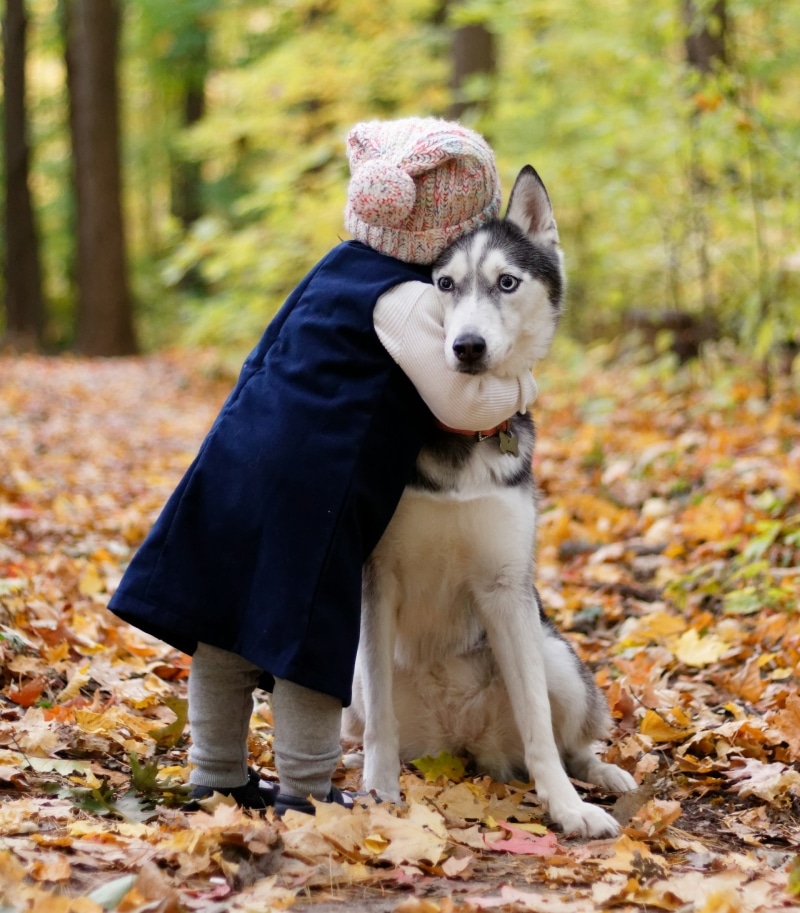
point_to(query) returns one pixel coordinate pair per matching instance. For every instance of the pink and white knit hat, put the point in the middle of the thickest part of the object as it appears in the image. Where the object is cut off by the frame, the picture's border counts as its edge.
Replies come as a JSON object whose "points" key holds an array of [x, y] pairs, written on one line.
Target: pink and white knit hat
{"points": [[417, 185]]}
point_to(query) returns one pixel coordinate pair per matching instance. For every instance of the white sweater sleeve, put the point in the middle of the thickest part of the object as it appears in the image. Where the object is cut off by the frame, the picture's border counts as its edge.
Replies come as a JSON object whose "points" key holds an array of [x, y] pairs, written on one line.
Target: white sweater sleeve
{"points": [[409, 321]]}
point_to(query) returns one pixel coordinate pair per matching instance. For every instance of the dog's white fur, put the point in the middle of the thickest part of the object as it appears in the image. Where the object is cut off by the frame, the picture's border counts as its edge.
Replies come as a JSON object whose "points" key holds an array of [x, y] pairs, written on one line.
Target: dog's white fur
{"points": [[455, 653]]}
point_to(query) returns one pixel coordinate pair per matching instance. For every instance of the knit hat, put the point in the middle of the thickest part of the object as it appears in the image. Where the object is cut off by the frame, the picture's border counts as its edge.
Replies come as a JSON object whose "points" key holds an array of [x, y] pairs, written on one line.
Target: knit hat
{"points": [[418, 184]]}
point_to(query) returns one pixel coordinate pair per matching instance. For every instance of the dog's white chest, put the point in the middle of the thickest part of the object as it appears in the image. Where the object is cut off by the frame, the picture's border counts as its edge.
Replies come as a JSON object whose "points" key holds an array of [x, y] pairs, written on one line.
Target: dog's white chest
{"points": [[439, 552]]}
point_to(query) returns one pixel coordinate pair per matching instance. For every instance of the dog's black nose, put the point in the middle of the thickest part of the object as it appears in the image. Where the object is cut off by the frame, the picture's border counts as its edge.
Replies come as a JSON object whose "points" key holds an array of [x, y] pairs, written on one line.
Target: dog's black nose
{"points": [[469, 348]]}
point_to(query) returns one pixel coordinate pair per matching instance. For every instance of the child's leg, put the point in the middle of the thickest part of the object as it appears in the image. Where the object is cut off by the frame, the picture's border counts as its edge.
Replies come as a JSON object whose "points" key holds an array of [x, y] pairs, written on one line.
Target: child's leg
{"points": [[306, 743], [221, 686]]}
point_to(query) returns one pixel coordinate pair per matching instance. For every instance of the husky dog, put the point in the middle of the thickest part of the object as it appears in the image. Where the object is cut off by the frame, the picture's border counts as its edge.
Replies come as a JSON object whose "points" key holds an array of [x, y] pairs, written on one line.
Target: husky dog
{"points": [[456, 653]]}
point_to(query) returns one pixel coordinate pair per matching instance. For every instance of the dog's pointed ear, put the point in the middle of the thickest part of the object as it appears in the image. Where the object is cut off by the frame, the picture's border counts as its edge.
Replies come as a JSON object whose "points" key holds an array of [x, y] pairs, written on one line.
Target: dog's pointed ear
{"points": [[529, 208]]}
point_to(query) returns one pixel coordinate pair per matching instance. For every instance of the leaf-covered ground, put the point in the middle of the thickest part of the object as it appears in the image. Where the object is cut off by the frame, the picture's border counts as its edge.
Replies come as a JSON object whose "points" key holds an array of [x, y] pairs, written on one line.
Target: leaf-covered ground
{"points": [[669, 546]]}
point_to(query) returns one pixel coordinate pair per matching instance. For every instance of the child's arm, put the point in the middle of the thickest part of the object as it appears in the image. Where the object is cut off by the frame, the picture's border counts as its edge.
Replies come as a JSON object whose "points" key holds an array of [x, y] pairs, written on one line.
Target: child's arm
{"points": [[408, 320]]}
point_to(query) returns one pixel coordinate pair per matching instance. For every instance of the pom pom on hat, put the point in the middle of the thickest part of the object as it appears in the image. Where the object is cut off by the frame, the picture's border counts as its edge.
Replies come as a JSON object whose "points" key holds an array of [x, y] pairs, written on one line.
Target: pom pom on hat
{"points": [[381, 194], [417, 185]]}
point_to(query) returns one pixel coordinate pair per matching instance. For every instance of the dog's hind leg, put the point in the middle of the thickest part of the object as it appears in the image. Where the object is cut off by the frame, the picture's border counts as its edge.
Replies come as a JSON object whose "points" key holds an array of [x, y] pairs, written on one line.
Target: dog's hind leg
{"points": [[580, 716], [376, 665]]}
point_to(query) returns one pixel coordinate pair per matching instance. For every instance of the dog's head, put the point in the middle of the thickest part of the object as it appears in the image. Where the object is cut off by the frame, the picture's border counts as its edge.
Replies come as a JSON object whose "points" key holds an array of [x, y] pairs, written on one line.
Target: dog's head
{"points": [[502, 286]]}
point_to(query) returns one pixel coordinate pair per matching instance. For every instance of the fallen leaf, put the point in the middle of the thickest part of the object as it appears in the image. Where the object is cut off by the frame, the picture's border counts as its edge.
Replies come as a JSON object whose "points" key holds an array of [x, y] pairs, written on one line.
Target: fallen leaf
{"points": [[659, 729], [421, 836], [53, 867], [536, 901], [443, 765], [29, 693], [787, 723], [696, 651], [521, 842], [766, 781]]}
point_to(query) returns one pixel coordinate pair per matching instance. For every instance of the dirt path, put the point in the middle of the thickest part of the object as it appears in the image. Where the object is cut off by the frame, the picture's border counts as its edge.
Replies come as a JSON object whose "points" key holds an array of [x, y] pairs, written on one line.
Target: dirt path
{"points": [[669, 553]]}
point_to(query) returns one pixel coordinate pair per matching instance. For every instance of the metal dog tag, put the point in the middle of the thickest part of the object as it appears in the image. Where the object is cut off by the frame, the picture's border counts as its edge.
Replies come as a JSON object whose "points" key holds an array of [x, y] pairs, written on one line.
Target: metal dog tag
{"points": [[509, 443]]}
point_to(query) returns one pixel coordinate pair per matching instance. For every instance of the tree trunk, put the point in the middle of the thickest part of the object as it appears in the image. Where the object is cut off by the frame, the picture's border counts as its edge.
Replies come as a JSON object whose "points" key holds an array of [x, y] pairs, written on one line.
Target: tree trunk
{"points": [[192, 68], [104, 312], [186, 174], [705, 40], [473, 53], [705, 49], [23, 277]]}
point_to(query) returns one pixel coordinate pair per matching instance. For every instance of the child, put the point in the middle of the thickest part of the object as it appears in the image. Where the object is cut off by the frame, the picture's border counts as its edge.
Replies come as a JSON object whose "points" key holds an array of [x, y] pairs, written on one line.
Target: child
{"points": [[254, 565]]}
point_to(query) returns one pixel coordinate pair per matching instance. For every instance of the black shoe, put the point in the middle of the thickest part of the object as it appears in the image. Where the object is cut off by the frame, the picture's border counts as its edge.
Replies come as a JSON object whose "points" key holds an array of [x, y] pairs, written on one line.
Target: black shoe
{"points": [[256, 793], [284, 803]]}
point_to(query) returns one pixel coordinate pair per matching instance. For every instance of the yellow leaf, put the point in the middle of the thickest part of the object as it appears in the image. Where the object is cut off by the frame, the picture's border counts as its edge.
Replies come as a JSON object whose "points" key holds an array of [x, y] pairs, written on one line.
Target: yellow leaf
{"points": [[77, 680], [92, 780], [532, 828], [91, 583], [113, 723], [443, 765], [655, 816], [628, 855], [653, 628], [375, 844], [660, 730], [57, 654], [735, 710], [693, 650], [712, 521]]}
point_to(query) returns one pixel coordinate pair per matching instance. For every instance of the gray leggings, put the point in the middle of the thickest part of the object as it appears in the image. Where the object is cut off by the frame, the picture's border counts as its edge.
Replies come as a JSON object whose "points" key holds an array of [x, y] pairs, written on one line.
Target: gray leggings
{"points": [[307, 726]]}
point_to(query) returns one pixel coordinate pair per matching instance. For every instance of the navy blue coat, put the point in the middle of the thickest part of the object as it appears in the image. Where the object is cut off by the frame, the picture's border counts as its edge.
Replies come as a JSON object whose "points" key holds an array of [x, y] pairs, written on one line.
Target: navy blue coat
{"points": [[260, 548]]}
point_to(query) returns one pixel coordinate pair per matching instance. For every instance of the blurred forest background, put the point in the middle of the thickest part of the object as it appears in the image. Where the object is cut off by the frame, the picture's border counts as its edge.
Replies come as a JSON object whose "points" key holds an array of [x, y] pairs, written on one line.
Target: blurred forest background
{"points": [[171, 169]]}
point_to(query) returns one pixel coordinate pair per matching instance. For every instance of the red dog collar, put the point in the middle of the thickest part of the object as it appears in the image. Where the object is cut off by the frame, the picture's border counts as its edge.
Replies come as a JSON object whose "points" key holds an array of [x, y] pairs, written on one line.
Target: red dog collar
{"points": [[477, 435], [509, 442]]}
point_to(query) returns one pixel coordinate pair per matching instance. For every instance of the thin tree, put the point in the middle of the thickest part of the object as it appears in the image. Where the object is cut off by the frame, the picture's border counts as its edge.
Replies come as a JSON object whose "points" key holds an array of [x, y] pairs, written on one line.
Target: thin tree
{"points": [[473, 53], [706, 35], [705, 49], [190, 64], [24, 302], [104, 309], [191, 67]]}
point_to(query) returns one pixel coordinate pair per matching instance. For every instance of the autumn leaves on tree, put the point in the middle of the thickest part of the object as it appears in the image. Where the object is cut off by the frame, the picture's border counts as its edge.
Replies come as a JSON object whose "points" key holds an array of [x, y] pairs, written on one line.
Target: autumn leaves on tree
{"points": [[667, 141]]}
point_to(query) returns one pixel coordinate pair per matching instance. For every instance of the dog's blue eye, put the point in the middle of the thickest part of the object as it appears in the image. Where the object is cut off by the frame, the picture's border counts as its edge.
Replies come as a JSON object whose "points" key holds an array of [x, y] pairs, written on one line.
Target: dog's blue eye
{"points": [[445, 284], [508, 283]]}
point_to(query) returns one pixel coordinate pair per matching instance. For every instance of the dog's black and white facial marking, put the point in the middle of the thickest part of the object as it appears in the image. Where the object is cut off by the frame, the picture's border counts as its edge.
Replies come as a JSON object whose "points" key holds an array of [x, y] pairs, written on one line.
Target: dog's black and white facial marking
{"points": [[502, 286]]}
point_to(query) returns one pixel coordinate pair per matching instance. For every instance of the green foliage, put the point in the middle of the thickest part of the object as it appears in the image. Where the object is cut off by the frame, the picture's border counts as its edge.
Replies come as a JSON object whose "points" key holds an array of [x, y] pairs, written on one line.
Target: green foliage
{"points": [[168, 736], [750, 581], [297, 76], [144, 777], [672, 189], [110, 894], [621, 130], [101, 800]]}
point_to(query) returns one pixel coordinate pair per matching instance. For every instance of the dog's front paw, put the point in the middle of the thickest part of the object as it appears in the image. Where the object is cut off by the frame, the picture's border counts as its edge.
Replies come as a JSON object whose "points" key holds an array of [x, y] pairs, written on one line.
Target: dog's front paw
{"points": [[394, 796], [386, 792], [382, 778], [586, 820], [614, 779]]}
